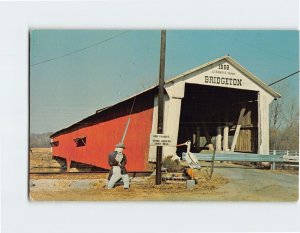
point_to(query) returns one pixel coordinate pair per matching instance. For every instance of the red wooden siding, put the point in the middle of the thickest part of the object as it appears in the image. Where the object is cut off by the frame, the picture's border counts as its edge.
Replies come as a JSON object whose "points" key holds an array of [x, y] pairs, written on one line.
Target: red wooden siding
{"points": [[105, 129]]}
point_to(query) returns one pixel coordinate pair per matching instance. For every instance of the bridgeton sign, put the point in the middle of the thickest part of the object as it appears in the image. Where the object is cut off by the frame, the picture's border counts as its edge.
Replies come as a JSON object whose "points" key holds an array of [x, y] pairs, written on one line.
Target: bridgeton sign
{"points": [[223, 81], [223, 74]]}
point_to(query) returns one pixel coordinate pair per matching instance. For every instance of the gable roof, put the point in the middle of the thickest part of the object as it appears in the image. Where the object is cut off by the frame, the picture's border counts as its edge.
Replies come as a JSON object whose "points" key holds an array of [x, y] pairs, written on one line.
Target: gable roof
{"points": [[238, 66], [229, 59]]}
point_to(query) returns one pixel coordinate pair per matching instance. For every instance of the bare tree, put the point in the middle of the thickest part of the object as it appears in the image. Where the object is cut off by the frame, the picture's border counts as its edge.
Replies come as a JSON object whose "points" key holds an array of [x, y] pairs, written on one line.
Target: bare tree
{"points": [[290, 132], [275, 121], [284, 122]]}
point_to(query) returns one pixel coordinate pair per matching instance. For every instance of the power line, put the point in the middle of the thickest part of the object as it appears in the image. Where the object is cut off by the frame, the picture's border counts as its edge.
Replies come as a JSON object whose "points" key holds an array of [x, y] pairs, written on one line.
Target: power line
{"points": [[78, 50], [256, 47], [284, 78]]}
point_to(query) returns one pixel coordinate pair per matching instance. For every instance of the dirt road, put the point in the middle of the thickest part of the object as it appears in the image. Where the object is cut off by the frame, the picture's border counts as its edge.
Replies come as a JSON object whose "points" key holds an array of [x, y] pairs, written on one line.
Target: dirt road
{"points": [[248, 184], [230, 183]]}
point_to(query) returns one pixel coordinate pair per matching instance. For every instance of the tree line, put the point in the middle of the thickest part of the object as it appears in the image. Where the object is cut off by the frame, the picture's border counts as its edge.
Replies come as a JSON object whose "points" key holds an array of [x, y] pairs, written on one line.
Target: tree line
{"points": [[284, 123], [41, 140]]}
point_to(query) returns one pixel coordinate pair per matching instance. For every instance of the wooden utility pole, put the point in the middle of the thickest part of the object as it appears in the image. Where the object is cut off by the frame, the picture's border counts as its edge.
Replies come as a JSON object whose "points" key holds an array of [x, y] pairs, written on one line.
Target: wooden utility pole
{"points": [[160, 123]]}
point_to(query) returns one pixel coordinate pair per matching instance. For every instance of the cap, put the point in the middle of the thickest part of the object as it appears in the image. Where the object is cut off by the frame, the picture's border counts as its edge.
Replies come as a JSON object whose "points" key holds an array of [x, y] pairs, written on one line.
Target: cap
{"points": [[120, 145]]}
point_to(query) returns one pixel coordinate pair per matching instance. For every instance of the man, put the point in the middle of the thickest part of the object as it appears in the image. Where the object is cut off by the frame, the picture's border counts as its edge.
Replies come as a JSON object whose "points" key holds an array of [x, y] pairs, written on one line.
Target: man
{"points": [[117, 160]]}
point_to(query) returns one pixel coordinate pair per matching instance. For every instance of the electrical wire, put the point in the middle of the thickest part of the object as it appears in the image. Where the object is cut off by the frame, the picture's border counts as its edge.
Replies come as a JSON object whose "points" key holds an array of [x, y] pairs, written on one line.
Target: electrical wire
{"points": [[78, 50], [284, 78], [255, 47]]}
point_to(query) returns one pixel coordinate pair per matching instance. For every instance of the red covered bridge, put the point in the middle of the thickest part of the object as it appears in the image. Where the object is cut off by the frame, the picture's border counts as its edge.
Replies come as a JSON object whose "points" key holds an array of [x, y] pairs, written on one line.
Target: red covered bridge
{"points": [[200, 104], [91, 140]]}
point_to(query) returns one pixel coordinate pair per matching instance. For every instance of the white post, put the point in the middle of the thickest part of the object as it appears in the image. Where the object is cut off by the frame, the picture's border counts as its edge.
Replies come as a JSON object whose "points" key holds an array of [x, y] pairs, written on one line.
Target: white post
{"points": [[51, 145], [225, 138], [198, 138], [219, 139], [194, 139], [171, 126], [273, 164]]}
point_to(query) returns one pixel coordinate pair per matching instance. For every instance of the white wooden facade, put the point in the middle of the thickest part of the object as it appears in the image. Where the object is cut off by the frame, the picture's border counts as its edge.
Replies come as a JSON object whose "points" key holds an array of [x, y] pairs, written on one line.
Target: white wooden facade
{"points": [[222, 72]]}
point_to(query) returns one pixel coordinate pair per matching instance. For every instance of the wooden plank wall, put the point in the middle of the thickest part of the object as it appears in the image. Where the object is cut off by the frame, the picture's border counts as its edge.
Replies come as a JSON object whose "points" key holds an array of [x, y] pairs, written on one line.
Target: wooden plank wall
{"points": [[248, 137]]}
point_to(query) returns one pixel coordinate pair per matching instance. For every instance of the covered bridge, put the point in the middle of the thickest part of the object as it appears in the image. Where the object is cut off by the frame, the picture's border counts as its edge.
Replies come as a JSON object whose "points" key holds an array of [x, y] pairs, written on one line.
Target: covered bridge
{"points": [[204, 105]]}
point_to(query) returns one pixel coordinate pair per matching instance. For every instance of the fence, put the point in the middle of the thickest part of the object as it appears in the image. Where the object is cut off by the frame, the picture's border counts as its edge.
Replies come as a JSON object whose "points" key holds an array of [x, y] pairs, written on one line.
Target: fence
{"points": [[285, 152], [290, 156]]}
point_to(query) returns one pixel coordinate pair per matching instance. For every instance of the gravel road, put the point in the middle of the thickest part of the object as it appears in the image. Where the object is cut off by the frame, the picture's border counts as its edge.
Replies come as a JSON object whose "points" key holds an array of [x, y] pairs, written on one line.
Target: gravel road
{"points": [[248, 184]]}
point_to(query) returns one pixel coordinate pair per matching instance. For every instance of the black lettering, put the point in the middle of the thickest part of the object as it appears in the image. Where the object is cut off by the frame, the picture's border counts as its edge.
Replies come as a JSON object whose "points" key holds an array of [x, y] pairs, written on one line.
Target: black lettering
{"points": [[221, 80]]}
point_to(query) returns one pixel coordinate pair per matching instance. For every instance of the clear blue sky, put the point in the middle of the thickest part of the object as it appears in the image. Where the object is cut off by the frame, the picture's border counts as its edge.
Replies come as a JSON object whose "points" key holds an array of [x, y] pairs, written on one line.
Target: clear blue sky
{"points": [[70, 88]]}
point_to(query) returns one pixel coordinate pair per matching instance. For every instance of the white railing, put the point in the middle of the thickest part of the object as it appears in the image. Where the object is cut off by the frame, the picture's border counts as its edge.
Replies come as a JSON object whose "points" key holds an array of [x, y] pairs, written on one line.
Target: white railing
{"points": [[288, 155], [284, 152]]}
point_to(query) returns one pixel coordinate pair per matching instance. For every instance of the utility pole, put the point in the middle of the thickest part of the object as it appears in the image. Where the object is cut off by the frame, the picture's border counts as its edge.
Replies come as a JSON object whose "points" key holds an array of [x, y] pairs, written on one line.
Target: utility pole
{"points": [[160, 123]]}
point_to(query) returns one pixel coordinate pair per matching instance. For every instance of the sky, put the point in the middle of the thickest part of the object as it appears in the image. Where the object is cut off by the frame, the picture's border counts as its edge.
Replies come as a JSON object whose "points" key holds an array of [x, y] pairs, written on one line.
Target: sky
{"points": [[73, 73]]}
